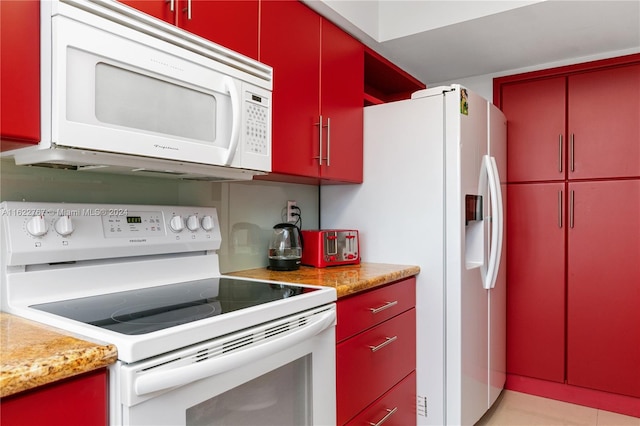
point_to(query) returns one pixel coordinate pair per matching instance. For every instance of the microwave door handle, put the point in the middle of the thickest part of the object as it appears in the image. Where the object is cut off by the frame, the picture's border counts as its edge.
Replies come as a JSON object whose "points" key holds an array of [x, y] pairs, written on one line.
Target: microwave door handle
{"points": [[236, 121]]}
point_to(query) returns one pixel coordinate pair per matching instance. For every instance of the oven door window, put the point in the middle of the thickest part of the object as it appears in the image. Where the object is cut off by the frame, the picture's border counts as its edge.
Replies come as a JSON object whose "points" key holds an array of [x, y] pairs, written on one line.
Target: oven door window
{"points": [[280, 397]]}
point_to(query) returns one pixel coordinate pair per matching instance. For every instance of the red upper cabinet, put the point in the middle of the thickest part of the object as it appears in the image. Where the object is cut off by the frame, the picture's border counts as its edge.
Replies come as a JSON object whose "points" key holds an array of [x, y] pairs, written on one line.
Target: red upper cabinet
{"points": [[604, 123], [232, 24], [341, 93], [535, 111], [165, 10], [317, 97], [603, 298], [290, 43], [386, 82], [19, 73], [582, 125]]}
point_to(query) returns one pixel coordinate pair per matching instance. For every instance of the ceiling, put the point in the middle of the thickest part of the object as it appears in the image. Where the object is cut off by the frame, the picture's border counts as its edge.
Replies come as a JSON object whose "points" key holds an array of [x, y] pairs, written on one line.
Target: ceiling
{"points": [[535, 33]]}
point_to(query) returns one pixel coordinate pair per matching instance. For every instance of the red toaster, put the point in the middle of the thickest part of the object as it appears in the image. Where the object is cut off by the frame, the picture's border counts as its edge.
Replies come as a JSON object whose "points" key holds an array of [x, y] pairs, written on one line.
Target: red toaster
{"points": [[330, 247]]}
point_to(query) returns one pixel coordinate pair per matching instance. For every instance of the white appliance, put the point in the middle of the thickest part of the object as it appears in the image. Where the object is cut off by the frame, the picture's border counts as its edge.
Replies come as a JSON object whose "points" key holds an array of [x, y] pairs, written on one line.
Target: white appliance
{"points": [[193, 345], [124, 92], [432, 197]]}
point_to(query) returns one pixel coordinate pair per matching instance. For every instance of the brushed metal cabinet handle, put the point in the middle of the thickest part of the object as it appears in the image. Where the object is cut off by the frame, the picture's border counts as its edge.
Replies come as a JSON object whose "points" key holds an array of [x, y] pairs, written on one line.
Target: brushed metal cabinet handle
{"points": [[559, 209], [328, 141], [383, 307], [188, 9], [560, 153], [390, 412], [387, 341], [571, 208], [572, 152], [319, 157]]}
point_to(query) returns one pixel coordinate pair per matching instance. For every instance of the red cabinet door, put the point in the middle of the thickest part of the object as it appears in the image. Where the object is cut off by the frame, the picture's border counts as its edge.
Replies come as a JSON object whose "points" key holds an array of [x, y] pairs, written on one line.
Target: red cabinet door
{"points": [[19, 73], [161, 9], [78, 401], [361, 311], [342, 89], [397, 407], [229, 23], [604, 123], [603, 306], [372, 362], [290, 43], [535, 112], [536, 280]]}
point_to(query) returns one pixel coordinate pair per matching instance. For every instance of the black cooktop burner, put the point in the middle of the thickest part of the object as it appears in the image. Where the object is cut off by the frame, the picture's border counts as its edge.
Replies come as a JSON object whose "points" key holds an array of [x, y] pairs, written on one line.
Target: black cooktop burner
{"points": [[151, 309]]}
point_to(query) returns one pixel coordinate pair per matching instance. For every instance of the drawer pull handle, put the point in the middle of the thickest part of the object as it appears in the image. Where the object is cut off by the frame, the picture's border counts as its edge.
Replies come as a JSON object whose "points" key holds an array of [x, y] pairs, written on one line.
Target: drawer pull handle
{"points": [[383, 307], [388, 340], [390, 412]]}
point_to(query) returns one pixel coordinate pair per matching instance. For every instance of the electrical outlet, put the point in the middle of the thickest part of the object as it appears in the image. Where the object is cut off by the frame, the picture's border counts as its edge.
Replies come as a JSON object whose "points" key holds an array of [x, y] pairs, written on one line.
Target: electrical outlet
{"points": [[290, 211]]}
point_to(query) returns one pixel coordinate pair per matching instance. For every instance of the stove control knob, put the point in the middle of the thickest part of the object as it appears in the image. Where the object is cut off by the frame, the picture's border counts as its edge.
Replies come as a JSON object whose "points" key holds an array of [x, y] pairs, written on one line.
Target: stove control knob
{"points": [[207, 223], [64, 226], [37, 226], [193, 223], [176, 224]]}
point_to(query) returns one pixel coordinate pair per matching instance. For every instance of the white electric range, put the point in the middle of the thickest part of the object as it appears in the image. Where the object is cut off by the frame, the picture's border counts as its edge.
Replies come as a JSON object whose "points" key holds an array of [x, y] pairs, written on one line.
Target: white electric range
{"points": [[193, 345]]}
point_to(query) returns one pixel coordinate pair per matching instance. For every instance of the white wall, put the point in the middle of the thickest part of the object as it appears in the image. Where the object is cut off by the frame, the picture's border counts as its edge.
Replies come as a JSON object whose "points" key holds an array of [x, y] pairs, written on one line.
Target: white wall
{"points": [[383, 20], [247, 210], [400, 18]]}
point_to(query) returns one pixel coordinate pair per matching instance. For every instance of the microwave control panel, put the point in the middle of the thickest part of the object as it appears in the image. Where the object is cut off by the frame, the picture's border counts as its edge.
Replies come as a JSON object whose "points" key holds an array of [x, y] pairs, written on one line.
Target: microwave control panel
{"points": [[257, 130]]}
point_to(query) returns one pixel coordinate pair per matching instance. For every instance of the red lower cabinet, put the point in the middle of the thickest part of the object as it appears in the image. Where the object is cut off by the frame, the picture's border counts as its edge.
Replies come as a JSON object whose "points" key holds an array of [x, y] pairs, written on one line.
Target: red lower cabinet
{"points": [[375, 367], [536, 280], [78, 401], [574, 284], [603, 294], [396, 407]]}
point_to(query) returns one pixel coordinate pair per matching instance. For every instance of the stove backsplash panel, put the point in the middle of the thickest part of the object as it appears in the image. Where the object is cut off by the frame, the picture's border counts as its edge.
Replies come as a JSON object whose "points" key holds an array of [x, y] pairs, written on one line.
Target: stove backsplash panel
{"points": [[247, 210]]}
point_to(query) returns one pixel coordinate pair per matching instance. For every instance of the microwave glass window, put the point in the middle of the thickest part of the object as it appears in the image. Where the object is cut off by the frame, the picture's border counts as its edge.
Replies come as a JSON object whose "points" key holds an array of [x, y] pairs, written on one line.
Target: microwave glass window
{"points": [[134, 100]]}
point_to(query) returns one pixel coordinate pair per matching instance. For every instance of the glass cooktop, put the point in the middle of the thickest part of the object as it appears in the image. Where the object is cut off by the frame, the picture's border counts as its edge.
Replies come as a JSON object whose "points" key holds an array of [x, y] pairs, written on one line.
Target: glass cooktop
{"points": [[151, 309]]}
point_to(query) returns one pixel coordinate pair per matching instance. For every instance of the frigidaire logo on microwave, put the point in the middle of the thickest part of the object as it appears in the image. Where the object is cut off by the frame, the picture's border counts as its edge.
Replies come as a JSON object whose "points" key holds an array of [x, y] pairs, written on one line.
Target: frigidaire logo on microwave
{"points": [[166, 147]]}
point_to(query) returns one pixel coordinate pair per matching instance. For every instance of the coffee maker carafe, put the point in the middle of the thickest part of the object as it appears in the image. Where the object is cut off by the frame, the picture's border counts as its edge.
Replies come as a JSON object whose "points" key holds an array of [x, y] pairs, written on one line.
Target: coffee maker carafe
{"points": [[285, 248]]}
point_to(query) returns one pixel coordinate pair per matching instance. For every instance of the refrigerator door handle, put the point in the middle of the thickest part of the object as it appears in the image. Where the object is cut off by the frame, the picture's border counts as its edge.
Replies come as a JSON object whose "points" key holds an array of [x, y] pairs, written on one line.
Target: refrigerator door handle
{"points": [[497, 223]]}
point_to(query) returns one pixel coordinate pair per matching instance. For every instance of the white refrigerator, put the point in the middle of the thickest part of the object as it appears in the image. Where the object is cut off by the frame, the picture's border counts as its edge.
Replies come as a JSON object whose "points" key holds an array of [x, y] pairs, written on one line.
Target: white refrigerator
{"points": [[432, 197]]}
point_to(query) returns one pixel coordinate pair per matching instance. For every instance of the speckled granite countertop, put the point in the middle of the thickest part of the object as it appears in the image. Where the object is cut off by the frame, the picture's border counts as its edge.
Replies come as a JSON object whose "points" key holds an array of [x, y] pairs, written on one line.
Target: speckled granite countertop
{"points": [[346, 280], [34, 354]]}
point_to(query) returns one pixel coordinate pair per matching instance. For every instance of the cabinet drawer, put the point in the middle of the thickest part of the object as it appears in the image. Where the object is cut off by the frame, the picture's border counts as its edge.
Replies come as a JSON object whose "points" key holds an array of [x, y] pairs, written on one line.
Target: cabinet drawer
{"points": [[396, 407], [363, 311], [371, 363]]}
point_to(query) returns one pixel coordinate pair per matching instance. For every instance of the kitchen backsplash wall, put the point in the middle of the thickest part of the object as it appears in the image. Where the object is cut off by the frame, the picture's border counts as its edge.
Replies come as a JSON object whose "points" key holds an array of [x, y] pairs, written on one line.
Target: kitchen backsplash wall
{"points": [[247, 210]]}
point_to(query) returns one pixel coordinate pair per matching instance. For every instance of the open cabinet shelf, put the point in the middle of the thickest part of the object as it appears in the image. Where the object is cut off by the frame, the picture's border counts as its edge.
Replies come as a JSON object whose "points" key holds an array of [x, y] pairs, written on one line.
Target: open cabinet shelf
{"points": [[385, 81]]}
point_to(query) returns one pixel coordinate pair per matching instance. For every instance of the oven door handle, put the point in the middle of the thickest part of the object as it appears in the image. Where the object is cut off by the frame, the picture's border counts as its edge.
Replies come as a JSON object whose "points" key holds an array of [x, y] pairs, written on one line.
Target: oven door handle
{"points": [[165, 379]]}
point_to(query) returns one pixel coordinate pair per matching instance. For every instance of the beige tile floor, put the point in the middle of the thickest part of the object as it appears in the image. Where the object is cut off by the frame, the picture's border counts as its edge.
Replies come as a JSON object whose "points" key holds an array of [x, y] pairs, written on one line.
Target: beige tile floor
{"points": [[515, 408]]}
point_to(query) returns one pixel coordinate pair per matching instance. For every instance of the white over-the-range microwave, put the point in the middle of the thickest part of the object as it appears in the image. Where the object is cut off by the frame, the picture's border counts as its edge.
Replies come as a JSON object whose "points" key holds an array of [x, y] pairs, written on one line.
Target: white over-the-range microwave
{"points": [[124, 92]]}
